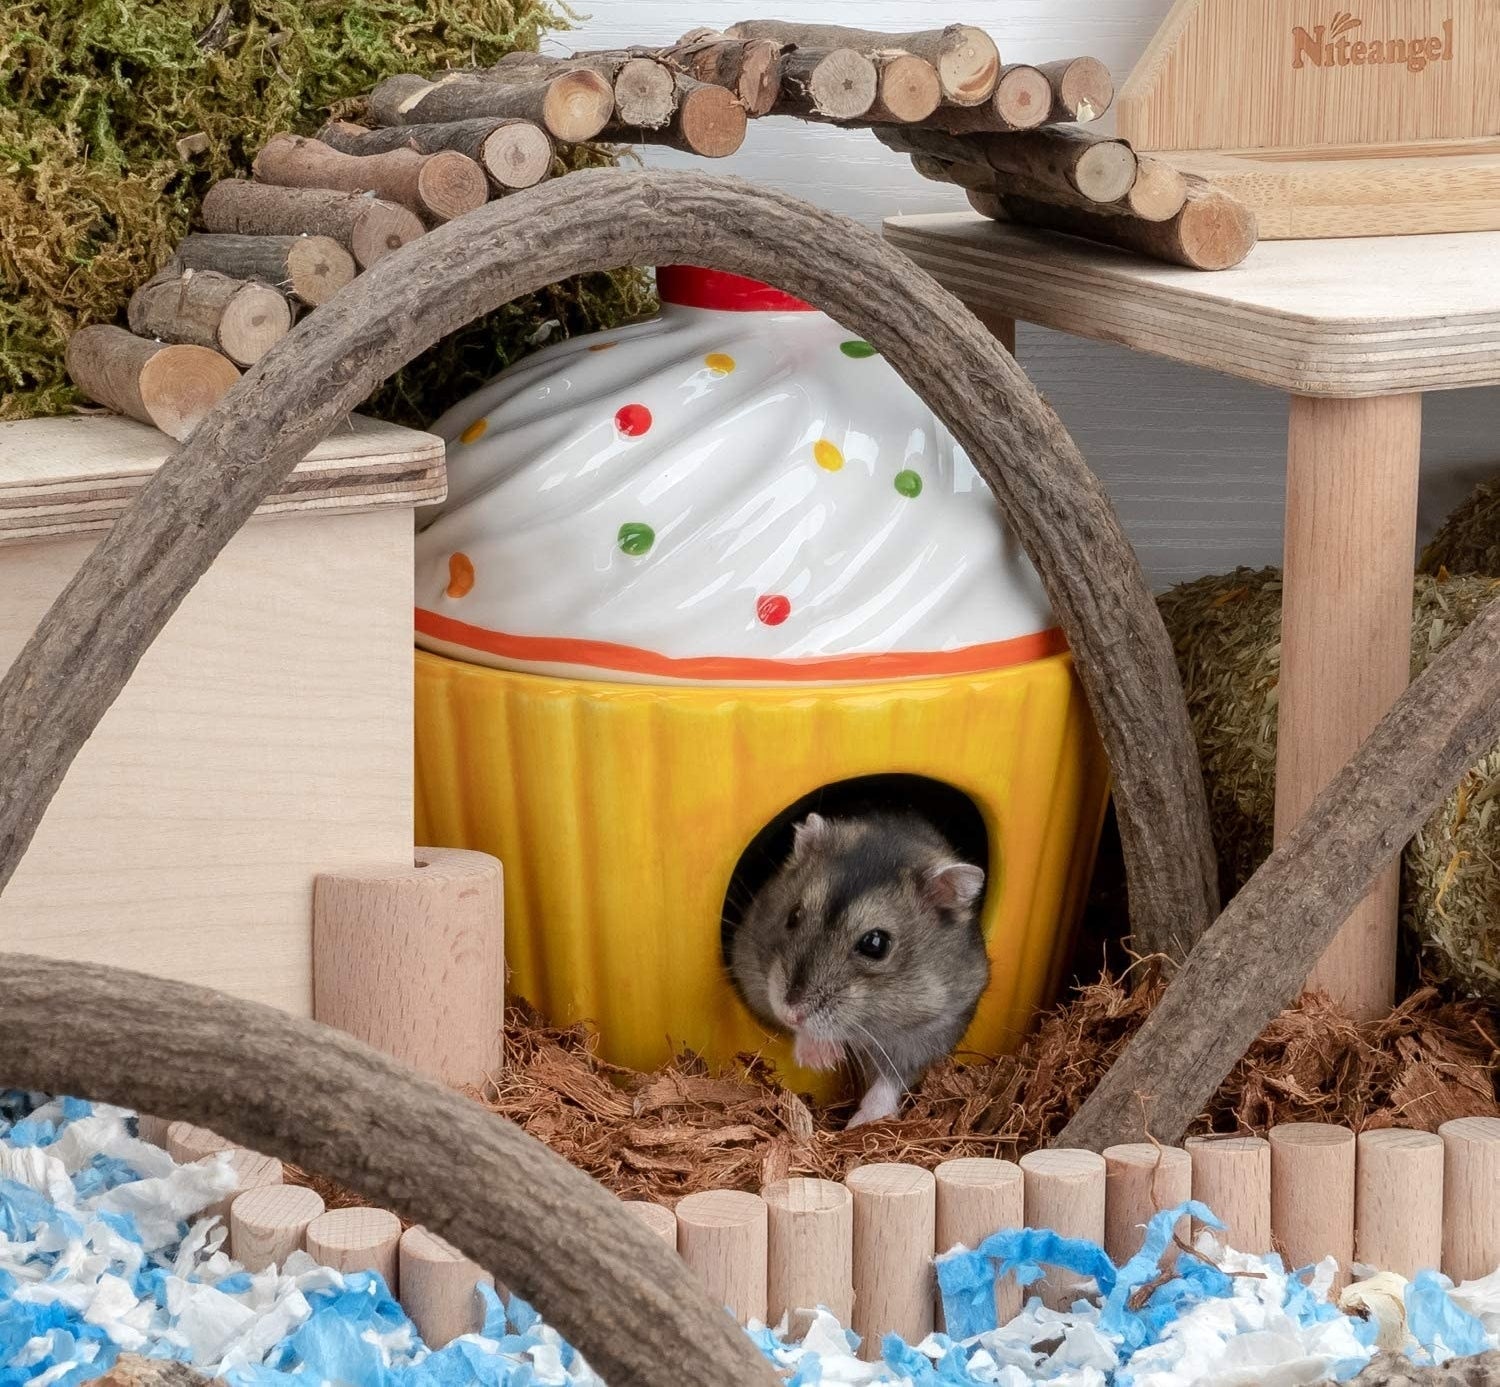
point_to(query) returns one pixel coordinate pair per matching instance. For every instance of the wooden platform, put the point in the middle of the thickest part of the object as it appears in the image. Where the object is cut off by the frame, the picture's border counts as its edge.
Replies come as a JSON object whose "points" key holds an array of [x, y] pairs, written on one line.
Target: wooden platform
{"points": [[1346, 318], [265, 738], [74, 475]]}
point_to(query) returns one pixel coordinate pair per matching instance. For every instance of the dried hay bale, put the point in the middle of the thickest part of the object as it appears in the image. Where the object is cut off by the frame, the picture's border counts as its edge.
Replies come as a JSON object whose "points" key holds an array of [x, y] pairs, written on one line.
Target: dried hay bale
{"points": [[1226, 631], [116, 118]]}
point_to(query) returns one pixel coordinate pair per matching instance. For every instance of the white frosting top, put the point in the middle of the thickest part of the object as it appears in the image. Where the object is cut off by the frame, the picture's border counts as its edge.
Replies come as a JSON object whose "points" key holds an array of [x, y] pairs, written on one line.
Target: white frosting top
{"points": [[718, 496]]}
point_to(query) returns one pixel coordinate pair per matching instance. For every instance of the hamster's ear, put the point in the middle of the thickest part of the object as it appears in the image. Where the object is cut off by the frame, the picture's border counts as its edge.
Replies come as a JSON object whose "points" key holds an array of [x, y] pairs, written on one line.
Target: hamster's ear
{"points": [[812, 832], [954, 886]]}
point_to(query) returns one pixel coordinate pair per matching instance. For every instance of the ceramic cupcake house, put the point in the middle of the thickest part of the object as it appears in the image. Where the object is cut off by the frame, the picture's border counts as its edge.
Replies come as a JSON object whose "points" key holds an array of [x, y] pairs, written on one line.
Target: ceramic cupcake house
{"points": [[691, 574]]}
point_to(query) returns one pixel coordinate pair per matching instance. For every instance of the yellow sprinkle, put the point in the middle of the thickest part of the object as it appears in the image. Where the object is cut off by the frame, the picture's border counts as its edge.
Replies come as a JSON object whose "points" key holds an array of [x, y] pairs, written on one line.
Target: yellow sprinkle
{"points": [[474, 432], [827, 455], [720, 363]]}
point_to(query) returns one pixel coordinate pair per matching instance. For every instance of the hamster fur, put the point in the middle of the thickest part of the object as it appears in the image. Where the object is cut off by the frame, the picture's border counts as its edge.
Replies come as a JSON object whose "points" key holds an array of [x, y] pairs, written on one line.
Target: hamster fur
{"points": [[866, 944]]}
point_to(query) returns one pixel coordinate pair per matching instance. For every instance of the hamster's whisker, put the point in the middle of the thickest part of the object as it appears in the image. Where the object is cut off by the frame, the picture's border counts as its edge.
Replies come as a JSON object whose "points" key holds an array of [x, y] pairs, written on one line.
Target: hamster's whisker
{"points": [[895, 1075]]}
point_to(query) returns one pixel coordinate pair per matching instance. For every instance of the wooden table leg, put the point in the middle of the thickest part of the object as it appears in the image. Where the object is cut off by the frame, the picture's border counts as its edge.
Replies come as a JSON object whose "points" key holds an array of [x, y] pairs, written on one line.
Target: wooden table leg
{"points": [[1351, 519]]}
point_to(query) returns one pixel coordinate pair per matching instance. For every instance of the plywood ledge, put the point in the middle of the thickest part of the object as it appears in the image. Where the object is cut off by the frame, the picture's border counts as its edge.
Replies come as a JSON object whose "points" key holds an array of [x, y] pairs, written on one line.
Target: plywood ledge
{"points": [[76, 474]]}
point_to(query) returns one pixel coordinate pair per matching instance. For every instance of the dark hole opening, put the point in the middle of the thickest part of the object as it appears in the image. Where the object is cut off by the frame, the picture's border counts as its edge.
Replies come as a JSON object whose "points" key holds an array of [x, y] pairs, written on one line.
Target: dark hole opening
{"points": [[950, 811]]}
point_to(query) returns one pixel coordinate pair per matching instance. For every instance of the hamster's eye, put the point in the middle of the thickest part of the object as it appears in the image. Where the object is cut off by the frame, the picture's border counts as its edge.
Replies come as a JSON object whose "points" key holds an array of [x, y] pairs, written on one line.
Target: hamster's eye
{"points": [[875, 944], [795, 918]]}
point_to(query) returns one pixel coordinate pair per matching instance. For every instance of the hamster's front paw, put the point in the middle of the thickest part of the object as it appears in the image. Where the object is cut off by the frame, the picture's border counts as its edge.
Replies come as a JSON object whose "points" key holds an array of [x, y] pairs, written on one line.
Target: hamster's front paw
{"points": [[882, 1100], [818, 1054]]}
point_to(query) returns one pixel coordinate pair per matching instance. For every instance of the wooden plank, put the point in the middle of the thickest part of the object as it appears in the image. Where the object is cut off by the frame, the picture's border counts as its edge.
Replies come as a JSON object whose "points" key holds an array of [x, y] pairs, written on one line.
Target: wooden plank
{"points": [[1423, 313], [1223, 74], [76, 474], [1351, 525], [264, 738]]}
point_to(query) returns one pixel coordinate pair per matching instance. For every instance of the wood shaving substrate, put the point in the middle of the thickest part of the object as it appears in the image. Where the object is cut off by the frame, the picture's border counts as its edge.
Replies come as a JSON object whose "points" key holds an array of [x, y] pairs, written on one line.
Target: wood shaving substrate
{"points": [[686, 1127]]}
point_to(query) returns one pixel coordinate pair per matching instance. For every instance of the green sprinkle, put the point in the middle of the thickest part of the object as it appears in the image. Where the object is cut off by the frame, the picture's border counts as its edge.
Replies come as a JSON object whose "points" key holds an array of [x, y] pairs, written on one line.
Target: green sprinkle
{"points": [[857, 349], [908, 483], [637, 539]]}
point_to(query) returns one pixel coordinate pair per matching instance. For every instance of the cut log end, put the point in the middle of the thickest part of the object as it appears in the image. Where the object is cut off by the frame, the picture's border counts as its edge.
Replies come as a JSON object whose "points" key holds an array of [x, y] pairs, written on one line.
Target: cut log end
{"points": [[1023, 97], [380, 229], [760, 76], [518, 156], [1159, 191], [844, 85], [968, 65], [987, 204], [908, 89], [711, 121], [450, 184], [578, 105], [254, 320], [317, 267], [1216, 231], [645, 93], [1106, 171], [168, 386], [1082, 88]]}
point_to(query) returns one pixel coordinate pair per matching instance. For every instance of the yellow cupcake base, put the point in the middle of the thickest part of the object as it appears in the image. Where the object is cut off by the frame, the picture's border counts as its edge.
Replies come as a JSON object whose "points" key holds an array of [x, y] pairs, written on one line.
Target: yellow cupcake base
{"points": [[620, 812]]}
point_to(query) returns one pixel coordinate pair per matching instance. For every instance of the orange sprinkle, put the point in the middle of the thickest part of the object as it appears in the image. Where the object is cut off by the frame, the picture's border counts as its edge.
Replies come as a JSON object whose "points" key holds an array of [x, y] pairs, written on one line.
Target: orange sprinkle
{"points": [[602, 346], [474, 431], [827, 455], [460, 575], [720, 363]]}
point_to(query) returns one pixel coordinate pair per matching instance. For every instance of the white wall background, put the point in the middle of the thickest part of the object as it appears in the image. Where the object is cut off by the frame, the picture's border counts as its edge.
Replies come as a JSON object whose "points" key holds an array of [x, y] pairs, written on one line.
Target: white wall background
{"points": [[1194, 461]]}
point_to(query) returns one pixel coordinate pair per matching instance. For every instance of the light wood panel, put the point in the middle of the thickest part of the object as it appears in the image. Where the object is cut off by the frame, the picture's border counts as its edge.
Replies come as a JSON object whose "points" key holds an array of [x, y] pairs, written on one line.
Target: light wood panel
{"points": [[266, 737], [1351, 522], [74, 475], [1224, 74], [1418, 313]]}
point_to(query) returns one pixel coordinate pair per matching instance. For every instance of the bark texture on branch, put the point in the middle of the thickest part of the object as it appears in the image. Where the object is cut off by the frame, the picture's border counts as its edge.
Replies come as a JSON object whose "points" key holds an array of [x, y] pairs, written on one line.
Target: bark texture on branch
{"points": [[1255, 959], [1394, 1370], [239, 317], [367, 227], [86, 647], [515, 153], [131, 1370], [572, 106], [311, 1095], [966, 59], [310, 268]]}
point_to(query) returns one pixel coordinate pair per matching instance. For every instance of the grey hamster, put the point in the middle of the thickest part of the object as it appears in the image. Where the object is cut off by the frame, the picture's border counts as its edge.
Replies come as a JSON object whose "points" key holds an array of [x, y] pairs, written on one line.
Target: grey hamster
{"points": [[865, 944]]}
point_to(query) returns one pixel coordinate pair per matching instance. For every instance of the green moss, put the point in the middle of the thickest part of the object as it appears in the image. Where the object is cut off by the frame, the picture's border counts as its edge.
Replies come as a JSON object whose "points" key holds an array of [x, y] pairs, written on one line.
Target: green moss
{"points": [[95, 95]]}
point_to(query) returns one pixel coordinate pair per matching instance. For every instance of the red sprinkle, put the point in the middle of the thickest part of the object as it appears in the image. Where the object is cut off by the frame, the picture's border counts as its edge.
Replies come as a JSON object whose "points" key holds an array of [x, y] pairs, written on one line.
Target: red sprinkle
{"points": [[632, 420], [773, 610]]}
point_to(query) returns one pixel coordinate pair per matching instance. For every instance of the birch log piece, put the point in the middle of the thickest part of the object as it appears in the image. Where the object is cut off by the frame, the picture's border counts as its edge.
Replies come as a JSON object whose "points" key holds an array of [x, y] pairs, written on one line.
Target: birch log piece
{"points": [[1159, 192], [708, 121], [750, 68], [239, 317], [367, 227], [827, 83], [86, 646], [437, 187], [1022, 100], [572, 106], [1212, 231], [642, 82], [1082, 88], [169, 386], [966, 59], [514, 153], [309, 268], [1073, 164], [907, 88]]}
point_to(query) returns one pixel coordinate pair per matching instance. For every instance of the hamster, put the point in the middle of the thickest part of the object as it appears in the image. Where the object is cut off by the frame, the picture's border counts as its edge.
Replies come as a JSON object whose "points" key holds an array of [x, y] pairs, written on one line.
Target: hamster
{"points": [[866, 944]]}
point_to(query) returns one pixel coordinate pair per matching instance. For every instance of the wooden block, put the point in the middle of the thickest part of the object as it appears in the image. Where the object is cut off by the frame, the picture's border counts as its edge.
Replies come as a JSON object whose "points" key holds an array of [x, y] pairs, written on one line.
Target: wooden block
{"points": [[895, 1227], [810, 1249], [721, 1235], [251, 1171], [187, 1143], [1142, 1179], [357, 1240], [1398, 1206], [438, 1288], [1065, 1192], [152, 1129], [1471, 1197], [1312, 1194], [977, 1196], [657, 1217], [1232, 1175], [1351, 525], [411, 960], [268, 1224]]}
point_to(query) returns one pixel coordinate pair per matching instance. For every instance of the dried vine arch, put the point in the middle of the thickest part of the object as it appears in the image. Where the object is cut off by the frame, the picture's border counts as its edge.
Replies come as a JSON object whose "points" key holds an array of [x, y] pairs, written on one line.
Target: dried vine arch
{"points": [[295, 1090]]}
